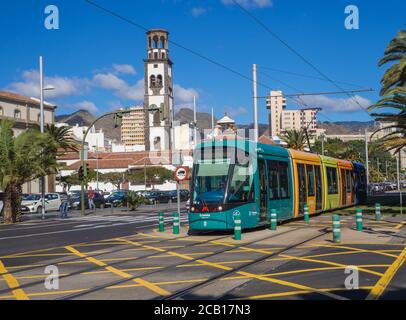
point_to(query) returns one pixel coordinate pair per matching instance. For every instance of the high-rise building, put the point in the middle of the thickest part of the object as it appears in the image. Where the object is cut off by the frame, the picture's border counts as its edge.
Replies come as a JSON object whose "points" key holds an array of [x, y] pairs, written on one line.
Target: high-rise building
{"points": [[133, 127], [158, 101], [281, 119]]}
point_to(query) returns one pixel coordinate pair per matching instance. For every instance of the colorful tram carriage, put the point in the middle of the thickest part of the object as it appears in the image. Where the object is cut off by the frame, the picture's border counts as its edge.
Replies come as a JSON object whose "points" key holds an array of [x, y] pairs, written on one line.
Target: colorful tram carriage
{"points": [[240, 176]]}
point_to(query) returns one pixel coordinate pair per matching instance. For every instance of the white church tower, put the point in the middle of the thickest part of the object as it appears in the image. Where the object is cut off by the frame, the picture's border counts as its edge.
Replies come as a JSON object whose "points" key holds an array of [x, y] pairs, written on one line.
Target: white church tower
{"points": [[158, 101]]}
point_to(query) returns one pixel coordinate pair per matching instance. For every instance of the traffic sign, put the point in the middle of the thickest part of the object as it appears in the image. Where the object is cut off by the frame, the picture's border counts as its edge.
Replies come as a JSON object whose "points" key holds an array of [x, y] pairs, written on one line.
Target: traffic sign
{"points": [[181, 173]]}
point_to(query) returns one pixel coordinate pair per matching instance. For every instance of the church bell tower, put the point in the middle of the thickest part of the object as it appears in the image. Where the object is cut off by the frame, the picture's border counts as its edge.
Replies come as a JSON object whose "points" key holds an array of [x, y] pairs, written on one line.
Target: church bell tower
{"points": [[158, 101]]}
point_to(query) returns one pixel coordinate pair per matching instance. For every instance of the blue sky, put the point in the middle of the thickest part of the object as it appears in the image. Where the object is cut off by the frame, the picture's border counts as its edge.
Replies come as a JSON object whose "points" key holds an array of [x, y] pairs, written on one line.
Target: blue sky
{"points": [[95, 60]]}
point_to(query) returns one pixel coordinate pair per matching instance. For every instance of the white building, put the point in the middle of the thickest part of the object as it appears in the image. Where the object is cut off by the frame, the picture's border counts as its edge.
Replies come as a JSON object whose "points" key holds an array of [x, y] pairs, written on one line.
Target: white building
{"points": [[133, 128], [158, 100], [281, 119]]}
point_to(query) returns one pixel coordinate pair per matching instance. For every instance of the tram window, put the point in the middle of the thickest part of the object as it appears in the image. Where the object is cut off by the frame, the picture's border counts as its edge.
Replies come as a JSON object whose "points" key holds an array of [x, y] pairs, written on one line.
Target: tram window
{"points": [[348, 181], [283, 180], [310, 181], [273, 178], [240, 186], [332, 182]]}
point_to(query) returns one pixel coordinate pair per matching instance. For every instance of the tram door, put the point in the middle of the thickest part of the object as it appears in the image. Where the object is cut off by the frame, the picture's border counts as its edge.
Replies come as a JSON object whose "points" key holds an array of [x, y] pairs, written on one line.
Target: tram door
{"points": [[319, 188], [343, 187], [311, 189], [263, 189], [302, 187]]}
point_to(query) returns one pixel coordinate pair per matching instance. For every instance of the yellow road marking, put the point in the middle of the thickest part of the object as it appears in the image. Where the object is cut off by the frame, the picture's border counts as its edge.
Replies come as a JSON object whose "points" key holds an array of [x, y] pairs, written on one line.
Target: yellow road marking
{"points": [[386, 278], [400, 225], [291, 293], [118, 272], [359, 250], [36, 255], [220, 262], [12, 283], [330, 263]]}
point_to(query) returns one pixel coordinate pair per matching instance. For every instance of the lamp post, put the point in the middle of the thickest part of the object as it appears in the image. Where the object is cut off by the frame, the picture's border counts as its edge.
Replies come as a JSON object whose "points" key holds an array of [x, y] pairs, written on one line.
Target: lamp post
{"points": [[42, 125]]}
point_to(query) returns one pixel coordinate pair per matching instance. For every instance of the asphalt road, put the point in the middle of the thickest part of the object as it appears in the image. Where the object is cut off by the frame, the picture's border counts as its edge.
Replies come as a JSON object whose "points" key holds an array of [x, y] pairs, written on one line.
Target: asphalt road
{"points": [[35, 234]]}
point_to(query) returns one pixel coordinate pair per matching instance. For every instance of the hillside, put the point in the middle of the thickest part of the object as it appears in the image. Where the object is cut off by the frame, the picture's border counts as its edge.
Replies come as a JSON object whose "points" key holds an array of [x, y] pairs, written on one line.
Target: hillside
{"points": [[185, 115]]}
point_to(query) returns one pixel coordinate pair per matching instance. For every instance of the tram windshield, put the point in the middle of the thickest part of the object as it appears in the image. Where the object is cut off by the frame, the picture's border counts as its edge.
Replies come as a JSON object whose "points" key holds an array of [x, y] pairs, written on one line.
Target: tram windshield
{"points": [[214, 179]]}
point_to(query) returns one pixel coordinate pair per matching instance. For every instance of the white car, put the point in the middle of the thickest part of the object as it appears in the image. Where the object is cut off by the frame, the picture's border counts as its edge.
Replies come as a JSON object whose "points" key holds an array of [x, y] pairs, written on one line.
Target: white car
{"points": [[33, 203]]}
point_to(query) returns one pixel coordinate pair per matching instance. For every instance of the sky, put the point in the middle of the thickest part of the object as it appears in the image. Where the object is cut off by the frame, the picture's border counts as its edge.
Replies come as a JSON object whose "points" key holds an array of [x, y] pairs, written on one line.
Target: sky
{"points": [[95, 60]]}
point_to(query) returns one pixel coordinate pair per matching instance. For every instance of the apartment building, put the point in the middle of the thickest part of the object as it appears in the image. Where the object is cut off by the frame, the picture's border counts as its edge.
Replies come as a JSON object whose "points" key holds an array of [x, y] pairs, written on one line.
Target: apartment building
{"points": [[133, 127]]}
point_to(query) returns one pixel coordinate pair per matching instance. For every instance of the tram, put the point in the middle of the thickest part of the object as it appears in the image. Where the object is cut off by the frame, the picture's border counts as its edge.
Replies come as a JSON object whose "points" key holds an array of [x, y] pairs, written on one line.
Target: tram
{"points": [[241, 176]]}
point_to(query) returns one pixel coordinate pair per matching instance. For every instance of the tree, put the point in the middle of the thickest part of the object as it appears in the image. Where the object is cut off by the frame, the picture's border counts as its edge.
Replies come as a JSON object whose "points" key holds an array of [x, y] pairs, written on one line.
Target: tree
{"points": [[295, 139], [133, 201], [393, 94], [62, 136], [154, 176], [22, 159], [73, 179], [115, 178]]}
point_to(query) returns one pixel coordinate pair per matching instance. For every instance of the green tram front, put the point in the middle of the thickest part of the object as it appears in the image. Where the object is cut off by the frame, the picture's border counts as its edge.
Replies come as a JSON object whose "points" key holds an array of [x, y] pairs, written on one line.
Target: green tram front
{"points": [[223, 184]]}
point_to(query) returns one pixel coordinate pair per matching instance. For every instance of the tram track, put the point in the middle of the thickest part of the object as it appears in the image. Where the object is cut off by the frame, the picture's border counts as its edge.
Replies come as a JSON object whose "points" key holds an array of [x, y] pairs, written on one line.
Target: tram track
{"points": [[193, 288], [118, 282], [114, 264]]}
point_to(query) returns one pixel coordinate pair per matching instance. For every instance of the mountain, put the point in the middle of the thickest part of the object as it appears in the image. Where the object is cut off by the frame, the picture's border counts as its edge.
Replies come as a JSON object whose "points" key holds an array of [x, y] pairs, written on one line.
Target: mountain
{"points": [[185, 115], [346, 127], [85, 118]]}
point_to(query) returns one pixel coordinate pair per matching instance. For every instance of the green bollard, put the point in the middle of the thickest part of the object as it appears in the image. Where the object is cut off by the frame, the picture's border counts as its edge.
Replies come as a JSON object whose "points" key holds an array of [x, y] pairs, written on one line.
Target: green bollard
{"points": [[336, 228], [358, 218], [237, 226], [306, 213], [176, 223], [378, 216], [161, 222], [274, 219]]}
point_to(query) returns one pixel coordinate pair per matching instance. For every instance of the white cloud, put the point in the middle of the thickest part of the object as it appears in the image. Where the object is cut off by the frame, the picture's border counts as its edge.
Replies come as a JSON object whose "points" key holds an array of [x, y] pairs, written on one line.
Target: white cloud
{"points": [[64, 86], [336, 105], [120, 87], [198, 11], [86, 105], [184, 96], [124, 69], [250, 3]]}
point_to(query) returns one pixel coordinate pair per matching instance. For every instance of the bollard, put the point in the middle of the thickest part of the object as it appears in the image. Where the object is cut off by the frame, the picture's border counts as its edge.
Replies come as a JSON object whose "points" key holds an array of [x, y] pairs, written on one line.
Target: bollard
{"points": [[378, 216], [176, 223], [237, 226], [306, 213], [161, 222], [336, 228], [274, 219], [358, 218]]}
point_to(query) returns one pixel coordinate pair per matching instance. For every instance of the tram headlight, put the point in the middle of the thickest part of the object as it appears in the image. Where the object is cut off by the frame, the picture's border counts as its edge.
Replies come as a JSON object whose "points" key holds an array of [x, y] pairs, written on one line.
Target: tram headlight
{"points": [[220, 208], [192, 209]]}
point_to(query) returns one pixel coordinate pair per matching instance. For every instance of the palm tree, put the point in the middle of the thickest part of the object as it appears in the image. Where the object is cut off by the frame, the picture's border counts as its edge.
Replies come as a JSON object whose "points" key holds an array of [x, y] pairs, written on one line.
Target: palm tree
{"points": [[295, 139], [22, 159], [62, 136], [393, 94]]}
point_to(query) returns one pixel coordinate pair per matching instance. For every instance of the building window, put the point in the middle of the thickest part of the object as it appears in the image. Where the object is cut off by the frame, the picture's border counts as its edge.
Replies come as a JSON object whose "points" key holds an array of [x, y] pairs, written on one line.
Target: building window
{"points": [[159, 81], [163, 55], [152, 81], [155, 42], [17, 114], [1, 111], [162, 42], [39, 117]]}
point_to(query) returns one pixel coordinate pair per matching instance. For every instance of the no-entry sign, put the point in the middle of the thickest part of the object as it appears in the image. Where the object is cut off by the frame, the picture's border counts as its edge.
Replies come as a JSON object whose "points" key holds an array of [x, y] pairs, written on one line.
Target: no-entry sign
{"points": [[181, 173]]}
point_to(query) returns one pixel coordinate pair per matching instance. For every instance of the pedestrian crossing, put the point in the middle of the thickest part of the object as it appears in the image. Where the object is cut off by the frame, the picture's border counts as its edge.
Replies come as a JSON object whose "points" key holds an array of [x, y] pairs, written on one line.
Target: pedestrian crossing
{"points": [[120, 220]]}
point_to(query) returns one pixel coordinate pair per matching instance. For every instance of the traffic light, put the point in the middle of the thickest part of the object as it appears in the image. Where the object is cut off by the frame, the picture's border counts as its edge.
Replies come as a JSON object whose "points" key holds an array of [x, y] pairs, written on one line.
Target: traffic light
{"points": [[163, 112], [87, 169], [118, 118], [81, 173]]}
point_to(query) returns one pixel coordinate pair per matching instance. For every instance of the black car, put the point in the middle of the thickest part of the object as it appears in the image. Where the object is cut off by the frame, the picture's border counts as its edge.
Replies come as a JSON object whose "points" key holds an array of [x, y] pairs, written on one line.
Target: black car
{"points": [[152, 197], [184, 195], [117, 198], [75, 200]]}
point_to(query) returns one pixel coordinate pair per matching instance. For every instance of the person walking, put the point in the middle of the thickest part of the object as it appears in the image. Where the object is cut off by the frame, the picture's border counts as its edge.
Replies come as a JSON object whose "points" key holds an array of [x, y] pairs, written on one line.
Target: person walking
{"points": [[64, 205], [90, 195]]}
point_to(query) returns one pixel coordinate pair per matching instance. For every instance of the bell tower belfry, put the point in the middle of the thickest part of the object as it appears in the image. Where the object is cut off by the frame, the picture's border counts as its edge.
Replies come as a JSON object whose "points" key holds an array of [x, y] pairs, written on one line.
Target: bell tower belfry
{"points": [[158, 99]]}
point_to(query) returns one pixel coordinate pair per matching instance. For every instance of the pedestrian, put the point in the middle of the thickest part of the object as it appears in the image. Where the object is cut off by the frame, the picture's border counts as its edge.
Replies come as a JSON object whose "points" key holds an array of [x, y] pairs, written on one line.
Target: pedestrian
{"points": [[90, 195], [64, 205]]}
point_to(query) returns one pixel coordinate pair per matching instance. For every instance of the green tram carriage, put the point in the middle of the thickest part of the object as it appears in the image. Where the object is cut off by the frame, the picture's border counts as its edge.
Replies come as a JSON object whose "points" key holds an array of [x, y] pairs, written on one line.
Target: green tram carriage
{"points": [[241, 176]]}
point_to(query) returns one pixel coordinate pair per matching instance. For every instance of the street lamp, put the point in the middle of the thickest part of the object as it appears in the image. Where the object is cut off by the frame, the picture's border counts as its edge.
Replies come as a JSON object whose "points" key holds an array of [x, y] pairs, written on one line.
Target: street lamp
{"points": [[42, 124]]}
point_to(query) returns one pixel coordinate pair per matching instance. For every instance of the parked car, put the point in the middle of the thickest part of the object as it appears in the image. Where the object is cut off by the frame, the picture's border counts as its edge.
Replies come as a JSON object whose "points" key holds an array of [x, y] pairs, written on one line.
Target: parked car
{"points": [[116, 198], [75, 200], [184, 195], [152, 197], [33, 203]]}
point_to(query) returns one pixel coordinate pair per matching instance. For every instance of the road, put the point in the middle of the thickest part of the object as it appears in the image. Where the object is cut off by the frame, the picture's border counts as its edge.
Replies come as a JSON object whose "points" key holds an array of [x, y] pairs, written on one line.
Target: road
{"points": [[35, 234]]}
